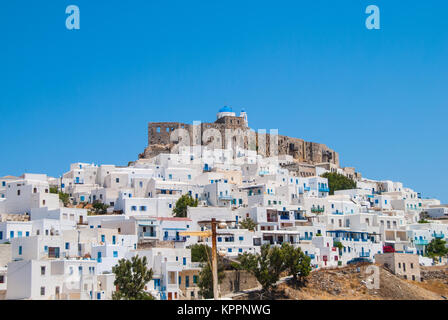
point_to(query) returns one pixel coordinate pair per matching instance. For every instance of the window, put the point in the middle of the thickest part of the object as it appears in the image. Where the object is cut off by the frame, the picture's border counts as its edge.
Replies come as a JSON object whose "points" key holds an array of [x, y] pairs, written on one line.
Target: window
{"points": [[80, 269], [195, 279], [1, 235], [27, 234], [134, 208], [42, 270], [241, 238], [20, 250], [18, 192], [67, 245], [115, 254], [42, 291], [2, 279], [11, 234], [117, 180]]}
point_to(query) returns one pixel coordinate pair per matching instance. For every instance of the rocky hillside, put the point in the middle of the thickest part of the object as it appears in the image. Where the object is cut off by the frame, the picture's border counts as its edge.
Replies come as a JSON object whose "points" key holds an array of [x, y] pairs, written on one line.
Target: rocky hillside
{"points": [[349, 283]]}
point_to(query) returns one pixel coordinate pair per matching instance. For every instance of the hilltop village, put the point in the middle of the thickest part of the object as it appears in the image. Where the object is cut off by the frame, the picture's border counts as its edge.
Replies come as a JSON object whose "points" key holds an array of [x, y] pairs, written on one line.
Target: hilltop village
{"points": [[61, 237]]}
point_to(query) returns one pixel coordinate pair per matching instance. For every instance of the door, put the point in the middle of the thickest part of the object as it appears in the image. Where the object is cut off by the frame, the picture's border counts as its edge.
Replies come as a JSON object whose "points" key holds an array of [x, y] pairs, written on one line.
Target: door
{"points": [[170, 296], [99, 256]]}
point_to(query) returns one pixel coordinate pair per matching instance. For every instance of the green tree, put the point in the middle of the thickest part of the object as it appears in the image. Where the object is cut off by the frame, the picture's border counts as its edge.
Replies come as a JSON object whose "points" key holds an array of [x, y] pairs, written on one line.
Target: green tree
{"points": [[265, 266], [205, 281], [99, 208], [297, 263], [131, 276], [182, 204], [200, 252], [203, 253], [436, 248], [54, 190], [248, 224], [338, 181], [339, 245], [65, 198]]}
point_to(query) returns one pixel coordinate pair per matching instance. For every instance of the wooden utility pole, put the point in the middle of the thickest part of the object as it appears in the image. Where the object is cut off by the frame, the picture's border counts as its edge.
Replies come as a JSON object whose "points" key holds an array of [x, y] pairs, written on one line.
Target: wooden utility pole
{"points": [[214, 261]]}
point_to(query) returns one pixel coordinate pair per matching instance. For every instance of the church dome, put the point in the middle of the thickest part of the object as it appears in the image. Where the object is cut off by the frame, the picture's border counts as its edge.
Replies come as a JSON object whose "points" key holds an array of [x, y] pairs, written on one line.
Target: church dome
{"points": [[225, 109]]}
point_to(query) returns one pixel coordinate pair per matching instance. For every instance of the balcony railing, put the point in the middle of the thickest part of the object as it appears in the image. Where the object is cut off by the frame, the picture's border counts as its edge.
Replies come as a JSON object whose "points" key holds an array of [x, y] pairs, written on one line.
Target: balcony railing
{"points": [[317, 210], [307, 238], [364, 255], [324, 190], [421, 242], [175, 238], [284, 217], [148, 234], [225, 198]]}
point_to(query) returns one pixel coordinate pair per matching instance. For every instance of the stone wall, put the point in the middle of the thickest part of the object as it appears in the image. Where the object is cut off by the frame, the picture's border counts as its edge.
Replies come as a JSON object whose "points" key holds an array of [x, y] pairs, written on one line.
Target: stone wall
{"points": [[236, 280], [166, 137]]}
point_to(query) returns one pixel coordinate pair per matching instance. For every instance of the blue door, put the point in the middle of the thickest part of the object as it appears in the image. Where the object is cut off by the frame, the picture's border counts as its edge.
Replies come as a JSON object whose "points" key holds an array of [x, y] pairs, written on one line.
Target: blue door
{"points": [[166, 234], [114, 239], [184, 261], [99, 256]]}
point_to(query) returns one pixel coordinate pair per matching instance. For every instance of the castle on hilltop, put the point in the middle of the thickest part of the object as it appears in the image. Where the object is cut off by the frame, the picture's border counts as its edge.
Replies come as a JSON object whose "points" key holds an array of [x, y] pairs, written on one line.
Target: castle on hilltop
{"points": [[160, 139]]}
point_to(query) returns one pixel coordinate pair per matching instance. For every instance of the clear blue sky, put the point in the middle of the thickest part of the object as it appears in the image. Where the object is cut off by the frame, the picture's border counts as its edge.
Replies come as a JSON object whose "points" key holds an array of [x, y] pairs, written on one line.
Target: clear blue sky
{"points": [[309, 68]]}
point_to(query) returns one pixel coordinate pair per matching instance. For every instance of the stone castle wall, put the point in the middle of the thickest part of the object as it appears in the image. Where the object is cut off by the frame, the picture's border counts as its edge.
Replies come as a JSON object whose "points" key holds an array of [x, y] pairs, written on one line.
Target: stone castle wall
{"points": [[166, 137]]}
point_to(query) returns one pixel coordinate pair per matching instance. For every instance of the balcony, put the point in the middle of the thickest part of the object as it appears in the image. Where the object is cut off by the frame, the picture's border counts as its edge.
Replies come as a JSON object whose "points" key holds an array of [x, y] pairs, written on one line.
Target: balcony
{"points": [[317, 210], [284, 217], [438, 235], [364, 254], [324, 190], [421, 242], [300, 217], [175, 238], [225, 198], [148, 235], [306, 188], [306, 238]]}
